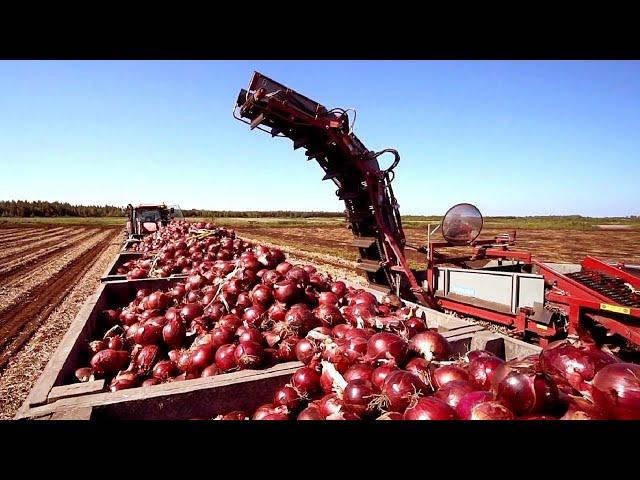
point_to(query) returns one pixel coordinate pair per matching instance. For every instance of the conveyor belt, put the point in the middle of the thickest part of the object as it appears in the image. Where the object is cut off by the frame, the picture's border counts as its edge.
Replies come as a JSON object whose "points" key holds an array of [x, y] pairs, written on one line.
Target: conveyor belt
{"points": [[611, 287]]}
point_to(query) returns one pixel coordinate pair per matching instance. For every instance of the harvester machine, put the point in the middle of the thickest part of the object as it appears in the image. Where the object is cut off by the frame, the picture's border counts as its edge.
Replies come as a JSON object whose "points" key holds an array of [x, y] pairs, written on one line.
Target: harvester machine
{"points": [[146, 219], [490, 280]]}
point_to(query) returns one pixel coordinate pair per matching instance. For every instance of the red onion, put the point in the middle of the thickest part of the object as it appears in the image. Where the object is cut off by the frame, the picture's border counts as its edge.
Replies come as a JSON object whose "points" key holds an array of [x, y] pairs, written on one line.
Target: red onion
{"points": [[379, 375], [391, 416], [306, 380], [385, 347], [469, 401], [448, 373], [357, 397], [400, 389], [305, 351], [283, 268], [190, 311], [287, 397], [522, 390], [338, 289], [109, 361], [616, 390], [287, 349], [431, 345], [340, 331], [174, 333], [148, 334], [490, 410], [416, 324], [116, 343], [453, 391], [221, 336], [429, 408], [420, 367], [225, 358], [364, 298], [573, 367], [231, 322], [261, 295], [124, 380], [582, 409], [482, 368], [249, 334], [249, 355], [164, 369], [210, 371], [97, 345], [329, 315], [328, 298], [252, 316], [310, 413], [84, 374], [287, 291], [359, 371], [276, 416], [146, 358], [203, 356], [329, 405]]}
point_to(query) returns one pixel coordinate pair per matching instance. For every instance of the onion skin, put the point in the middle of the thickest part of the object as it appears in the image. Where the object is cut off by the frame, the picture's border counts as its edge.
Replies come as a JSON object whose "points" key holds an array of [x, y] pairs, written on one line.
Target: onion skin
{"points": [[525, 392], [310, 413], [225, 358], [490, 410], [359, 371], [391, 416], [448, 373], [357, 396], [306, 380], [109, 361], [431, 345], [401, 388], [482, 368], [387, 347], [469, 401], [287, 397], [305, 351], [249, 355], [379, 375], [573, 367], [616, 391], [329, 405], [453, 391], [429, 408]]}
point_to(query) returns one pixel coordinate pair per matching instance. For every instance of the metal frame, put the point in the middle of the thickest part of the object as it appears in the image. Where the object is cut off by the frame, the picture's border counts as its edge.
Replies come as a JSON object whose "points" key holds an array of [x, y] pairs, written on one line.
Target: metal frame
{"points": [[374, 217]]}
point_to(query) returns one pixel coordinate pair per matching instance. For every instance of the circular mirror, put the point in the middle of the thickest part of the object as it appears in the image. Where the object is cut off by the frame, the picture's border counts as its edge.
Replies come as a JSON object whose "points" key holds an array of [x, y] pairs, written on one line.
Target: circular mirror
{"points": [[461, 224]]}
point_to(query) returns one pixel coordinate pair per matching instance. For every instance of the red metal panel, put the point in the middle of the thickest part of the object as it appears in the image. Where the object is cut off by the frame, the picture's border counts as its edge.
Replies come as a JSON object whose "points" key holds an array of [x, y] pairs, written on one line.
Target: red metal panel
{"points": [[593, 263]]}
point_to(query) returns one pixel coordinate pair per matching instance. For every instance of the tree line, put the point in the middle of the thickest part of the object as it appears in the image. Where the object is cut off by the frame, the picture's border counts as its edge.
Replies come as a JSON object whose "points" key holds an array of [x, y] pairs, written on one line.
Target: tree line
{"points": [[21, 208], [258, 214], [38, 208]]}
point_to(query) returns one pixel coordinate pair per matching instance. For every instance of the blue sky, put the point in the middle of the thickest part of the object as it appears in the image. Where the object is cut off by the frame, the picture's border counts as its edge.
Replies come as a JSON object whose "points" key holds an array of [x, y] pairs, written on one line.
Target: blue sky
{"points": [[515, 138]]}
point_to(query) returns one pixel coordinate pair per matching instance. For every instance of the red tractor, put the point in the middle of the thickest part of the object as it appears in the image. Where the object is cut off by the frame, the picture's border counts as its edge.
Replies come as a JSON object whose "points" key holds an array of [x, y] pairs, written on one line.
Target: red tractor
{"points": [[146, 219], [491, 282]]}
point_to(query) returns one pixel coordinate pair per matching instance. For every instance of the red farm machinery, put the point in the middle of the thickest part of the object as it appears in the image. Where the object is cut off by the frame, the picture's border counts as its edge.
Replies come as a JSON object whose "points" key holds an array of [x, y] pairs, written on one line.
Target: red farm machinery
{"points": [[491, 281]]}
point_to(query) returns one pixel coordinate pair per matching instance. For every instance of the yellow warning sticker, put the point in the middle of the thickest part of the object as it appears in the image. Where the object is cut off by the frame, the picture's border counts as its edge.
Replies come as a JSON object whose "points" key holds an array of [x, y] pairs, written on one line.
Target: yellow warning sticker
{"points": [[615, 308], [542, 327]]}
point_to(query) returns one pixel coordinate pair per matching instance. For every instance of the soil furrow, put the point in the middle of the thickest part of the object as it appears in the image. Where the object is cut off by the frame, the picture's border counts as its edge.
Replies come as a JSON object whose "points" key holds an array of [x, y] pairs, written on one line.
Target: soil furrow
{"points": [[21, 320], [8, 246], [19, 284], [27, 247], [38, 254]]}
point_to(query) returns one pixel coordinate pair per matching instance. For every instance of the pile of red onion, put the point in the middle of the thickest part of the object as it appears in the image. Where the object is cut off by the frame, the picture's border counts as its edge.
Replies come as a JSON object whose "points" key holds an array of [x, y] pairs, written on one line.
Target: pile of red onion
{"points": [[243, 306]]}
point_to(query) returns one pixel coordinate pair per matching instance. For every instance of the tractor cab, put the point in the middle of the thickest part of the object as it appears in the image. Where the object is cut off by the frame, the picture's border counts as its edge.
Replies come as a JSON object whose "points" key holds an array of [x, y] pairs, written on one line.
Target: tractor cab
{"points": [[147, 219]]}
